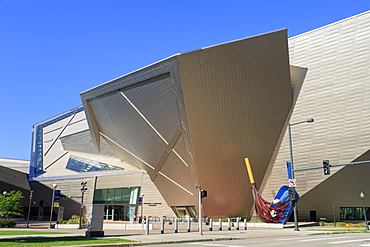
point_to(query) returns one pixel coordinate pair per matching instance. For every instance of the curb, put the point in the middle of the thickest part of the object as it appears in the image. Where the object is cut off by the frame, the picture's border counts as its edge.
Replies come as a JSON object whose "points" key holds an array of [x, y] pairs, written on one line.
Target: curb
{"points": [[154, 243]]}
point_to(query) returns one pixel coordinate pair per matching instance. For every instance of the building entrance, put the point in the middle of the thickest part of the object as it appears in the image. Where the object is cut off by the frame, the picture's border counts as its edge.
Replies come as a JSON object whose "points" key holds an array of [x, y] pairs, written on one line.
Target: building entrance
{"points": [[116, 212]]}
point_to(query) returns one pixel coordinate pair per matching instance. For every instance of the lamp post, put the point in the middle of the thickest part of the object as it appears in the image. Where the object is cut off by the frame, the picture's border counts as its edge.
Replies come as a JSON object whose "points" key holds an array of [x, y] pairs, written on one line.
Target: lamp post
{"points": [[310, 120], [52, 204], [362, 196], [83, 190], [29, 208]]}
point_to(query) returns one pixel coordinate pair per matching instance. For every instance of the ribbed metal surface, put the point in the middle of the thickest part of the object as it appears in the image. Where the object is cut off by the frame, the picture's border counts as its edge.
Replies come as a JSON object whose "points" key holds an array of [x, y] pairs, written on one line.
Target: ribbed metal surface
{"points": [[143, 122], [82, 142], [238, 96], [194, 125], [336, 94]]}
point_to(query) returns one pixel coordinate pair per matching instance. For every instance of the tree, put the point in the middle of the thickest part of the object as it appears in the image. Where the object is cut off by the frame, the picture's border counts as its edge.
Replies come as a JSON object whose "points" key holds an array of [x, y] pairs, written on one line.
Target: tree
{"points": [[10, 205]]}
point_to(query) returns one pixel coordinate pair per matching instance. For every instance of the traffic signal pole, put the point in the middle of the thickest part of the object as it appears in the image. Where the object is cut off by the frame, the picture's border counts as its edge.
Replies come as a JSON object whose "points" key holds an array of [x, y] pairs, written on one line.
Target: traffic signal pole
{"points": [[292, 174], [200, 210], [320, 167]]}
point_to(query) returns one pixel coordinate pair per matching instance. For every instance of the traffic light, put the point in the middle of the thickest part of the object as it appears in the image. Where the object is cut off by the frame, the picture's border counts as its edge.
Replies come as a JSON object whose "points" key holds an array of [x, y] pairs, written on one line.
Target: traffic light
{"points": [[203, 193], [291, 194], [326, 167]]}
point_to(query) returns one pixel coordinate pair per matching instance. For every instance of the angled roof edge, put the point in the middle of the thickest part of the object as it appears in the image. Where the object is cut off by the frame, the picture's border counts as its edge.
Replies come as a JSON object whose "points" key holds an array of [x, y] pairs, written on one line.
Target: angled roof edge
{"points": [[75, 109], [87, 175], [236, 40], [331, 24], [130, 73], [175, 55]]}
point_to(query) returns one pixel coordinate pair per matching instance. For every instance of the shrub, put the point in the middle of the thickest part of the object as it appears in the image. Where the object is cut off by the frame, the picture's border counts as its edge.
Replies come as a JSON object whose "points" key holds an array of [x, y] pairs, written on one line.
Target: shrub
{"points": [[63, 222], [10, 205], [75, 219], [8, 223]]}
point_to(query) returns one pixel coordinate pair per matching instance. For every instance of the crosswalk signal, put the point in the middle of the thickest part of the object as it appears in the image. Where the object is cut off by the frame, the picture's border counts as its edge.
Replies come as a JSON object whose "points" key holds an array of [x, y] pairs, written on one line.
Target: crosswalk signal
{"points": [[326, 167], [203, 193], [291, 194]]}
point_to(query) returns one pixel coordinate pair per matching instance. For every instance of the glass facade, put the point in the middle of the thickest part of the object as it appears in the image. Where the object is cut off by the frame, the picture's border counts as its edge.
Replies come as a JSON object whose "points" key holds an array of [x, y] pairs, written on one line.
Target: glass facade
{"points": [[352, 213], [120, 203], [38, 151], [38, 162], [126, 195], [79, 164]]}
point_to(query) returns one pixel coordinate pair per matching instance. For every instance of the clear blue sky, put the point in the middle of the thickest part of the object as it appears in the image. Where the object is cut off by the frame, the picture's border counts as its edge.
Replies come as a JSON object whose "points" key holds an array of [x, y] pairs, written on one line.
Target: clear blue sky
{"points": [[51, 51]]}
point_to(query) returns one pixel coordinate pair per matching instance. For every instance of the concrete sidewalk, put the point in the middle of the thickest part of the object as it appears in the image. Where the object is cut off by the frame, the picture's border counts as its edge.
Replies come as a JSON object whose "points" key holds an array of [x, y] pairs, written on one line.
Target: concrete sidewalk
{"points": [[169, 237]]}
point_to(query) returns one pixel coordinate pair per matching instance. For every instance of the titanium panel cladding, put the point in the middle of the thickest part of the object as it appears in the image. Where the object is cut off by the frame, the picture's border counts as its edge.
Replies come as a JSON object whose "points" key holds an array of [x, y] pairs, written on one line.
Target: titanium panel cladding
{"points": [[238, 97], [141, 117], [336, 94]]}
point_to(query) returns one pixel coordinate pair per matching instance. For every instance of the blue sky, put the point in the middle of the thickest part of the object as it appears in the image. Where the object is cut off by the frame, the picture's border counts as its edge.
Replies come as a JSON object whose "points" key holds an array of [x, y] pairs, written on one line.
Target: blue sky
{"points": [[51, 51]]}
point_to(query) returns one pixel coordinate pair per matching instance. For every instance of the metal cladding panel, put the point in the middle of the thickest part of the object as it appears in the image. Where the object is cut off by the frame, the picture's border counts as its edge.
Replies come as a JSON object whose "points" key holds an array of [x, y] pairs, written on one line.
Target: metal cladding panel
{"points": [[336, 94], [156, 101], [237, 96], [141, 116], [119, 181], [174, 195], [121, 123], [82, 142], [173, 167]]}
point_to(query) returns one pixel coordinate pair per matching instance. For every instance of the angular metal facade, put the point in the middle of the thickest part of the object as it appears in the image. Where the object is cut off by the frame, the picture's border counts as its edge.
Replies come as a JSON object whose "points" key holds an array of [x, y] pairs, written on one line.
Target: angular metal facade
{"points": [[336, 94], [192, 118]]}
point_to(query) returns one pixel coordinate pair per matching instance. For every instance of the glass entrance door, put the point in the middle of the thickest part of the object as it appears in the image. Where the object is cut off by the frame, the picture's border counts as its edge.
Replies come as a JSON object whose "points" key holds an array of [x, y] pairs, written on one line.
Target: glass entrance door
{"points": [[116, 212]]}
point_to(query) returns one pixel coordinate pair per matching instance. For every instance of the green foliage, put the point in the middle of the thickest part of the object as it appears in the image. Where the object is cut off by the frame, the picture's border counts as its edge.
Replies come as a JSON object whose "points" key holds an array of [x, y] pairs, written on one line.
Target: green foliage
{"points": [[10, 205], [343, 224], [7, 223], [59, 241], [63, 222], [75, 219], [30, 232]]}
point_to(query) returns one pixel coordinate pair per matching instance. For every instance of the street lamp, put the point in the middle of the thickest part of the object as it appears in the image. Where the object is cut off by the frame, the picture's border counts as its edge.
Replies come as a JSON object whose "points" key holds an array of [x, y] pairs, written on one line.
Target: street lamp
{"points": [[310, 120], [52, 204], [83, 190], [363, 206], [29, 208]]}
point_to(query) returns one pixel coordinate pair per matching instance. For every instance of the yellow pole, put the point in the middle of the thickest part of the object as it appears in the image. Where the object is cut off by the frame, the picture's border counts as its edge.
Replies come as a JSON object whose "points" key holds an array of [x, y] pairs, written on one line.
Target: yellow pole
{"points": [[249, 169]]}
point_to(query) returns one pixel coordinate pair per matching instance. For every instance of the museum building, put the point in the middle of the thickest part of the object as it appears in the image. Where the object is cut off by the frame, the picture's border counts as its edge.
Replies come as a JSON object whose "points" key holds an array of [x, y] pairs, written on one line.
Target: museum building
{"points": [[146, 141]]}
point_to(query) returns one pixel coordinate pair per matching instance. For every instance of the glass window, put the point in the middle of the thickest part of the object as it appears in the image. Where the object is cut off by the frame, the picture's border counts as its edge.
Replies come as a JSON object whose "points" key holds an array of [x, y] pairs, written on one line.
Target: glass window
{"points": [[119, 195], [116, 195], [126, 195], [97, 196], [103, 196], [80, 164], [352, 213], [133, 195], [38, 151], [110, 195]]}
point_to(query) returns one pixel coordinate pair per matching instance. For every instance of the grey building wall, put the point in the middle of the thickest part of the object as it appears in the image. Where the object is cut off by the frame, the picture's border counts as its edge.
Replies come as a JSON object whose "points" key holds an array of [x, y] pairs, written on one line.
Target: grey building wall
{"points": [[335, 93]]}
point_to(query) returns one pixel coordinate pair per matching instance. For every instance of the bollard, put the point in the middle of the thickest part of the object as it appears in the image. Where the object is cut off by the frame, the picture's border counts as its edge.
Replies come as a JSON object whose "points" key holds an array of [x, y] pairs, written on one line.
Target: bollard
{"points": [[228, 224], [189, 224], [237, 223], [347, 227], [210, 224], [220, 224], [245, 224], [176, 225], [162, 225], [147, 226]]}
